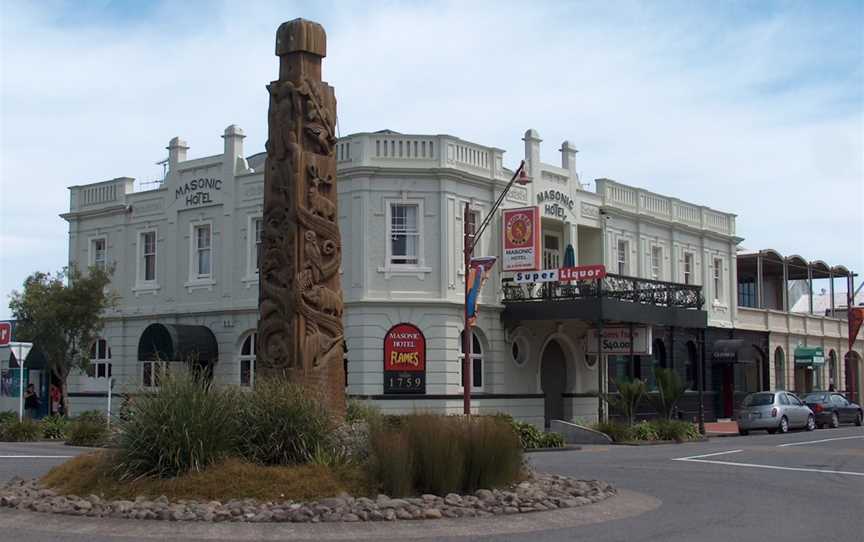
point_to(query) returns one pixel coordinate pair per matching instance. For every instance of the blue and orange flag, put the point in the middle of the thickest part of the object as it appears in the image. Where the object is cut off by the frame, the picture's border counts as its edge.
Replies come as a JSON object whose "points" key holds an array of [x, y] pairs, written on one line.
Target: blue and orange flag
{"points": [[478, 273]]}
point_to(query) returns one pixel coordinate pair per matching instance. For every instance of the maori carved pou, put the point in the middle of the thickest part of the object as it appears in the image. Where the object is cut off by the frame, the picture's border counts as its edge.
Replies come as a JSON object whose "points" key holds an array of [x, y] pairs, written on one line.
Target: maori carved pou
{"points": [[300, 329]]}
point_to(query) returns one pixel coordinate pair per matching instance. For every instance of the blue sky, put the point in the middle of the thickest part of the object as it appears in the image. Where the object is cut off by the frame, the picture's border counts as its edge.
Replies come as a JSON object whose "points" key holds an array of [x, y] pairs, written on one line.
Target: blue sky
{"points": [[755, 108]]}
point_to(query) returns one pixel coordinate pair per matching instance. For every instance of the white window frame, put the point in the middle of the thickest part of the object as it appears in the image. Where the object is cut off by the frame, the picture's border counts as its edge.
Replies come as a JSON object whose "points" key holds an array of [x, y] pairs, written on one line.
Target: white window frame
{"points": [[656, 262], [622, 266], [197, 280], [419, 269], [548, 256], [141, 284], [163, 366], [475, 357], [717, 278], [91, 258], [247, 358], [688, 267], [460, 239], [98, 362], [252, 271], [198, 250]]}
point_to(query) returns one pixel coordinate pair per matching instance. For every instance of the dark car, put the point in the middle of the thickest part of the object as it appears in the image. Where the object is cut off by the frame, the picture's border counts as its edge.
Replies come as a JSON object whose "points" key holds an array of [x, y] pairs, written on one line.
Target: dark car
{"points": [[832, 409]]}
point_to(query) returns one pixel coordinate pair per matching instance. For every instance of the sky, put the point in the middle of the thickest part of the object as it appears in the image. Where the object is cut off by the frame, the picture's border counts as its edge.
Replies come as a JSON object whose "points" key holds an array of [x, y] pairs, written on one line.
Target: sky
{"points": [[754, 108]]}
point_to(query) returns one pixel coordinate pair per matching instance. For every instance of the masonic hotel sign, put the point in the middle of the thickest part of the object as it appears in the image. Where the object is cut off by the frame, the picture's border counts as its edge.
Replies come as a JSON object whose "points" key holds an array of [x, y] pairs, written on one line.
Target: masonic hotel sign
{"points": [[554, 203], [198, 191]]}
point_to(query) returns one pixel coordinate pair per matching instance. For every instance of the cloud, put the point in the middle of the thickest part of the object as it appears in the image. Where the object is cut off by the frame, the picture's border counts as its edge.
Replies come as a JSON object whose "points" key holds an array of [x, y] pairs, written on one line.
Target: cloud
{"points": [[752, 109]]}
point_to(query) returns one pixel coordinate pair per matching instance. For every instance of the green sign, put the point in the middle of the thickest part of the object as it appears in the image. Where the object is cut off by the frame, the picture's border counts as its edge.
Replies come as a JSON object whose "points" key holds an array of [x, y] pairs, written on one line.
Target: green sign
{"points": [[809, 355]]}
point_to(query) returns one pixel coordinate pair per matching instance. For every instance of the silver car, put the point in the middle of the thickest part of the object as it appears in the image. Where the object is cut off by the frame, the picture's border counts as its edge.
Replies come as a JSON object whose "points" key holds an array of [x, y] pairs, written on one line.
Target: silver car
{"points": [[774, 411]]}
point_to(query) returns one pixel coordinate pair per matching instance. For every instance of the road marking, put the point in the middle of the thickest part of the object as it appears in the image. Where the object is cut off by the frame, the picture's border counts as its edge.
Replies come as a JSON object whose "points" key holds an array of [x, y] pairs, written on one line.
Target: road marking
{"points": [[816, 441], [774, 467], [694, 457], [36, 456]]}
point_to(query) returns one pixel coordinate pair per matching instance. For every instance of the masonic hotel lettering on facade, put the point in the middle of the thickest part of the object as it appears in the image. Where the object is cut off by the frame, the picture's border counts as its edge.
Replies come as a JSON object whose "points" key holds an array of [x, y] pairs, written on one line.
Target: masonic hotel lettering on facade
{"points": [[186, 259]]}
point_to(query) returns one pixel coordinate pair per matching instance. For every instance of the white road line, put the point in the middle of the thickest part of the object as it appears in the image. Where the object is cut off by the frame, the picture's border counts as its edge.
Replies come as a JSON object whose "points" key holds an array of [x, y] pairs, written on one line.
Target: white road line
{"points": [[774, 467], [817, 441], [36, 456], [694, 457]]}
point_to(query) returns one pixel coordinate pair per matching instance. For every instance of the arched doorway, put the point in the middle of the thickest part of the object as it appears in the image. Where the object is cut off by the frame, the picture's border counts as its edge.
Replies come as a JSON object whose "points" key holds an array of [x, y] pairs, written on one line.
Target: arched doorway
{"points": [[779, 369], [853, 384], [553, 381], [833, 384]]}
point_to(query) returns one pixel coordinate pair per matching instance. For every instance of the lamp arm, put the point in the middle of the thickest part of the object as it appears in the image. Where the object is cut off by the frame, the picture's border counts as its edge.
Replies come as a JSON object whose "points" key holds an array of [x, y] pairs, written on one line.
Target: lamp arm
{"points": [[488, 219]]}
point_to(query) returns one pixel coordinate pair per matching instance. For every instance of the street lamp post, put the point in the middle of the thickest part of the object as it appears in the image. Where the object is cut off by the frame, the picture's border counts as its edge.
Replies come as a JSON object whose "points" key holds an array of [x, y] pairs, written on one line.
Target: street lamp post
{"points": [[470, 241]]}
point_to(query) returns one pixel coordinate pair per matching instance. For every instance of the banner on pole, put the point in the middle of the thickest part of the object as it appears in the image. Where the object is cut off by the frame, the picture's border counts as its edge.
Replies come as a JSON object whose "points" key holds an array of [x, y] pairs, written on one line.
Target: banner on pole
{"points": [[521, 232], [856, 318], [478, 273]]}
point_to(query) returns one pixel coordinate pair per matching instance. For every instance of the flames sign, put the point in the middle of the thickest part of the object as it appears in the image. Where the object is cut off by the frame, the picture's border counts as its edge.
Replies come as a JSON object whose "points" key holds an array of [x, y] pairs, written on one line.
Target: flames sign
{"points": [[404, 360]]}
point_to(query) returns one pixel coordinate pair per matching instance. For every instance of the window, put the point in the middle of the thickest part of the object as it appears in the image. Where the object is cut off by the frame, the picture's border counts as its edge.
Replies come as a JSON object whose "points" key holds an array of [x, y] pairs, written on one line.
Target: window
{"points": [[202, 252], [100, 360], [688, 268], [839, 400], [832, 370], [152, 372], [247, 360], [98, 253], [622, 257], [779, 370], [404, 234], [656, 262], [476, 361], [747, 292], [690, 367], [551, 252], [718, 279], [257, 225], [148, 256]]}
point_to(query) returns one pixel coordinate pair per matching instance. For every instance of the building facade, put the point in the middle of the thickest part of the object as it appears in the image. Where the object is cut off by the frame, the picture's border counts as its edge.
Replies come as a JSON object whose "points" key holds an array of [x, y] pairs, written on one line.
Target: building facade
{"points": [[185, 257]]}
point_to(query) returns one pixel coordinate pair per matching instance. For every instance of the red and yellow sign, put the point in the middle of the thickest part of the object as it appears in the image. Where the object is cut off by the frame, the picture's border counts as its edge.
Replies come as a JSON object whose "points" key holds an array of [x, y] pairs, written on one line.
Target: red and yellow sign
{"points": [[404, 360], [521, 228]]}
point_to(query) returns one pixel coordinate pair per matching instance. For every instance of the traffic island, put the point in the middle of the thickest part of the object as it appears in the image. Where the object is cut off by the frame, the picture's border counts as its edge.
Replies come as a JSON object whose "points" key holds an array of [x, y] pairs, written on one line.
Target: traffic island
{"points": [[540, 492]]}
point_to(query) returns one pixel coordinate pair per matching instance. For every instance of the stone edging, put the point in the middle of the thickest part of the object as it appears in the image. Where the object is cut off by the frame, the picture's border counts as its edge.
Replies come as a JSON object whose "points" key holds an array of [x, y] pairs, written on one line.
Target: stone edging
{"points": [[540, 493]]}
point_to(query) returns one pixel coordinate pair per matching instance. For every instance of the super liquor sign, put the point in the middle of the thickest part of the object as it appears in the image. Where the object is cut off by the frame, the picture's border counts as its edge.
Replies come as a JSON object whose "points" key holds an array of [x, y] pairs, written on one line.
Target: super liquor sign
{"points": [[404, 360]]}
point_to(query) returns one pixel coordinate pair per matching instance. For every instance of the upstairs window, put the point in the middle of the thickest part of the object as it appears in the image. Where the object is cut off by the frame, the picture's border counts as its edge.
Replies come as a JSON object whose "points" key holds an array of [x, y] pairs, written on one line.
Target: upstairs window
{"points": [[747, 293], [257, 225], [100, 360], [622, 257], [404, 234], [98, 251], [148, 256], [718, 279], [688, 268], [656, 262], [202, 252]]}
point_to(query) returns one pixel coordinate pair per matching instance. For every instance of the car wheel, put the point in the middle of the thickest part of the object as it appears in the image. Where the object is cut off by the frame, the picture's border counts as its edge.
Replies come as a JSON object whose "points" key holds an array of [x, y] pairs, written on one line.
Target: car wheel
{"points": [[835, 421], [811, 423], [784, 425], [743, 432], [859, 421]]}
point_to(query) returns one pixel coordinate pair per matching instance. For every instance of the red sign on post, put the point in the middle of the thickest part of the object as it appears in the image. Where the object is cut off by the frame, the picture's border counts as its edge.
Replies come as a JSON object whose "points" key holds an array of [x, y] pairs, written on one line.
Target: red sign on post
{"points": [[521, 230], [404, 360], [5, 333]]}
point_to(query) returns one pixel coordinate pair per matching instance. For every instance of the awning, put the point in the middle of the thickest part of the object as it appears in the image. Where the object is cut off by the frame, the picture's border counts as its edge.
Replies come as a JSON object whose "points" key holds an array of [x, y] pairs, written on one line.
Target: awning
{"points": [[726, 351], [809, 355], [174, 342]]}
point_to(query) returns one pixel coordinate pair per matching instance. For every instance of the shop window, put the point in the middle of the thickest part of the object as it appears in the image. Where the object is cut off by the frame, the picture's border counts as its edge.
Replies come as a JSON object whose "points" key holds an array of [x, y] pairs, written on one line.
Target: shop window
{"points": [[779, 369], [476, 361], [247, 360], [690, 366], [832, 370], [404, 234], [100, 360]]}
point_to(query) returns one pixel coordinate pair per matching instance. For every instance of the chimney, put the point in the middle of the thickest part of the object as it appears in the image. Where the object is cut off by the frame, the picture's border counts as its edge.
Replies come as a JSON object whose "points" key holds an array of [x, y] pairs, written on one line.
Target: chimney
{"points": [[532, 152], [176, 152], [234, 137], [568, 161]]}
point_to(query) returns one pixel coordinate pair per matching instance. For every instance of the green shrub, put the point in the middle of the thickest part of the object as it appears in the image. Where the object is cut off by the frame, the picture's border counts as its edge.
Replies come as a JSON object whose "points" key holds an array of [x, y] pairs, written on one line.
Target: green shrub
{"points": [[644, 431], [618, 432], [627, 399], [553, 440], [8, 416], [283, 423], [20, 431], [362, 411], [425, 453], [54, 427], [183, 427], [676, 430], [88, 432], [91, 416], [670, 390]]}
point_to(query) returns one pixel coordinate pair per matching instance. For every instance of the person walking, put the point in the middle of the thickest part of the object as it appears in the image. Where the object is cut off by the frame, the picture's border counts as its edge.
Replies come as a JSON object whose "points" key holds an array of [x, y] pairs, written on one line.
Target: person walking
{"points": [[31, 402]]}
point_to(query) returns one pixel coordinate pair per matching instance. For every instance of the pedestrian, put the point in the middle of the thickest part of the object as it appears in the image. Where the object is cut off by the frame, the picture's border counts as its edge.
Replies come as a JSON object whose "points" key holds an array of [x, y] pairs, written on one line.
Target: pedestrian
{"points": [[56, 397], [31, 402]]}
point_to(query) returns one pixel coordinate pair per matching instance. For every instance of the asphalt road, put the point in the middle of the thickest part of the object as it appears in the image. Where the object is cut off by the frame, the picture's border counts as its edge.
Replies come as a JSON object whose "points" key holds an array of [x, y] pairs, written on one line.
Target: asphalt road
{"points": [[803, 486]]}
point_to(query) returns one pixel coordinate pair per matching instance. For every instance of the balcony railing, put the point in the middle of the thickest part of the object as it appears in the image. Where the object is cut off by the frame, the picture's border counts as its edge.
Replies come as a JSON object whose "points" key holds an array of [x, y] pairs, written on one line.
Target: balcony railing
{"points": [[619, 287]]}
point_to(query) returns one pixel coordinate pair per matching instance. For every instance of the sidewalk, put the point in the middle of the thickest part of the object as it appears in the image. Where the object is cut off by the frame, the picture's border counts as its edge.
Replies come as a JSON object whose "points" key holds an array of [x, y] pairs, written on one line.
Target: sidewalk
{"points": [[721, 428]]}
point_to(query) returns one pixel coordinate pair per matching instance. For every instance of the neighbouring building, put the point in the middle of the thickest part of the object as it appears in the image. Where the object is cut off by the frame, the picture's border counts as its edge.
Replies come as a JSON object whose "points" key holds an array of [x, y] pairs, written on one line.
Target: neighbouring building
{"points": [[185, 257]]}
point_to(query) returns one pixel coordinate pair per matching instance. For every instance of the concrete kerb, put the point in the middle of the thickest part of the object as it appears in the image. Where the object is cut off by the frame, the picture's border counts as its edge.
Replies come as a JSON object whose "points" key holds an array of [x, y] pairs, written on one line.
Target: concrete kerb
{"points": [[623, 505]]}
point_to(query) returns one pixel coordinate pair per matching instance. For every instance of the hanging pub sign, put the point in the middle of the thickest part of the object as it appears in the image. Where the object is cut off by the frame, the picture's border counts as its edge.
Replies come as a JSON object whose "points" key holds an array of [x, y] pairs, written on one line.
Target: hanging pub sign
{"points": [[404, 360], [521, 231], [616, 340]]}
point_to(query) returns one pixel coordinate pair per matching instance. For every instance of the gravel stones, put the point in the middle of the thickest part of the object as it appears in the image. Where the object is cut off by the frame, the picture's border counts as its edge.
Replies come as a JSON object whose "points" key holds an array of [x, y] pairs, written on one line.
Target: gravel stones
{"points": [[541, 492]]}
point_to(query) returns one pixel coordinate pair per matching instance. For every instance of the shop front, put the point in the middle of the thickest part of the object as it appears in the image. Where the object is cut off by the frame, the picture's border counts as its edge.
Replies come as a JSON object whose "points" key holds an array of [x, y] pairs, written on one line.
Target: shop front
{"points": [[809, 364], [738, 366]]}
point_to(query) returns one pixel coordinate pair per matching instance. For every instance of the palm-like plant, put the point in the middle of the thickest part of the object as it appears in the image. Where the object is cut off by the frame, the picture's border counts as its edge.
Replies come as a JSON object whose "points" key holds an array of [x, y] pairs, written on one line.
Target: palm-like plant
{"points": [[627, 399], [670, 389]]}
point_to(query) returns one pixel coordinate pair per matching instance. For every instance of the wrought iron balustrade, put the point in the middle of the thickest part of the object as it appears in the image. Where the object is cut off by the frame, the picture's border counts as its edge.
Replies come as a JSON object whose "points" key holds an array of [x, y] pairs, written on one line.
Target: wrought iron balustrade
{"points": [[622, 288]]}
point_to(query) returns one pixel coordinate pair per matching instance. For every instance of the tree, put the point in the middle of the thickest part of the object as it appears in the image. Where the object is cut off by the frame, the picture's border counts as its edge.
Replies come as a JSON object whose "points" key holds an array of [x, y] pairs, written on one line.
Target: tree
{"points": [[61, 315], [670, 389], [627, 399]]}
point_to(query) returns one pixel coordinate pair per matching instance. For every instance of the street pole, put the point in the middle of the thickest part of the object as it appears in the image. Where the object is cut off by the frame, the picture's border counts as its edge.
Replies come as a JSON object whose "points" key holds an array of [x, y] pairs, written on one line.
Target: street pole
{"points": [[700, 376], [466, 334], [110, 386], [20, 388]]}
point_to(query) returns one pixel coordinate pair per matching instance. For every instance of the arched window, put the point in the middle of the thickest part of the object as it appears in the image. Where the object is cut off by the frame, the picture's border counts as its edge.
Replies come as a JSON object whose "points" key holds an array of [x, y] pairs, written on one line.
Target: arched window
{"points": [[100, 360], [690, 366], [247, 360], [476, 361], [779, 369], [832, 370]]}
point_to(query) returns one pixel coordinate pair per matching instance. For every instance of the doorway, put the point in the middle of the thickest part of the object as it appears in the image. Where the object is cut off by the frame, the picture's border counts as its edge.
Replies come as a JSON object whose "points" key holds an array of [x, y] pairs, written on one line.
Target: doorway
{"points": [[728, 389], [553, 381]]}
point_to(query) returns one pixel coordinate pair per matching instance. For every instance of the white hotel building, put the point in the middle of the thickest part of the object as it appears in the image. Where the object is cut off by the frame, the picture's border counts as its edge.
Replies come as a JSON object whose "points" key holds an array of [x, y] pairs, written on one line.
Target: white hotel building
{"points": [[185, 260]]}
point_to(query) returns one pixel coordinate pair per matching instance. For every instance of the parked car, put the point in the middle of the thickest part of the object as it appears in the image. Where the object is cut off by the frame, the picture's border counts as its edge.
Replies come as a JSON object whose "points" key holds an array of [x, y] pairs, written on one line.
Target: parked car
{"points": [[774, 411], [832, 409]]}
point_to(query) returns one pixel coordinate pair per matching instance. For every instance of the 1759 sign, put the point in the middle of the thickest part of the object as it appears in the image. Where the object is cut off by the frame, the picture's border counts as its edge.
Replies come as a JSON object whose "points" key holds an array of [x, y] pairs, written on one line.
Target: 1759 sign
{"points": [[404, 360]]}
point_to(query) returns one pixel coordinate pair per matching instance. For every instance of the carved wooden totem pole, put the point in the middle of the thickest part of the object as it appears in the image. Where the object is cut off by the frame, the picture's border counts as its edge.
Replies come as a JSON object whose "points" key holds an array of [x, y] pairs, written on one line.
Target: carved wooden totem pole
{"points": [[300, 330]]}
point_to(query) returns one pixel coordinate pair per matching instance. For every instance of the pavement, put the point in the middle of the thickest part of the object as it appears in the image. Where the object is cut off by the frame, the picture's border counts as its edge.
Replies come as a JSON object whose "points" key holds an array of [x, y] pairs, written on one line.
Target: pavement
{"points": [[801, 486]]}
